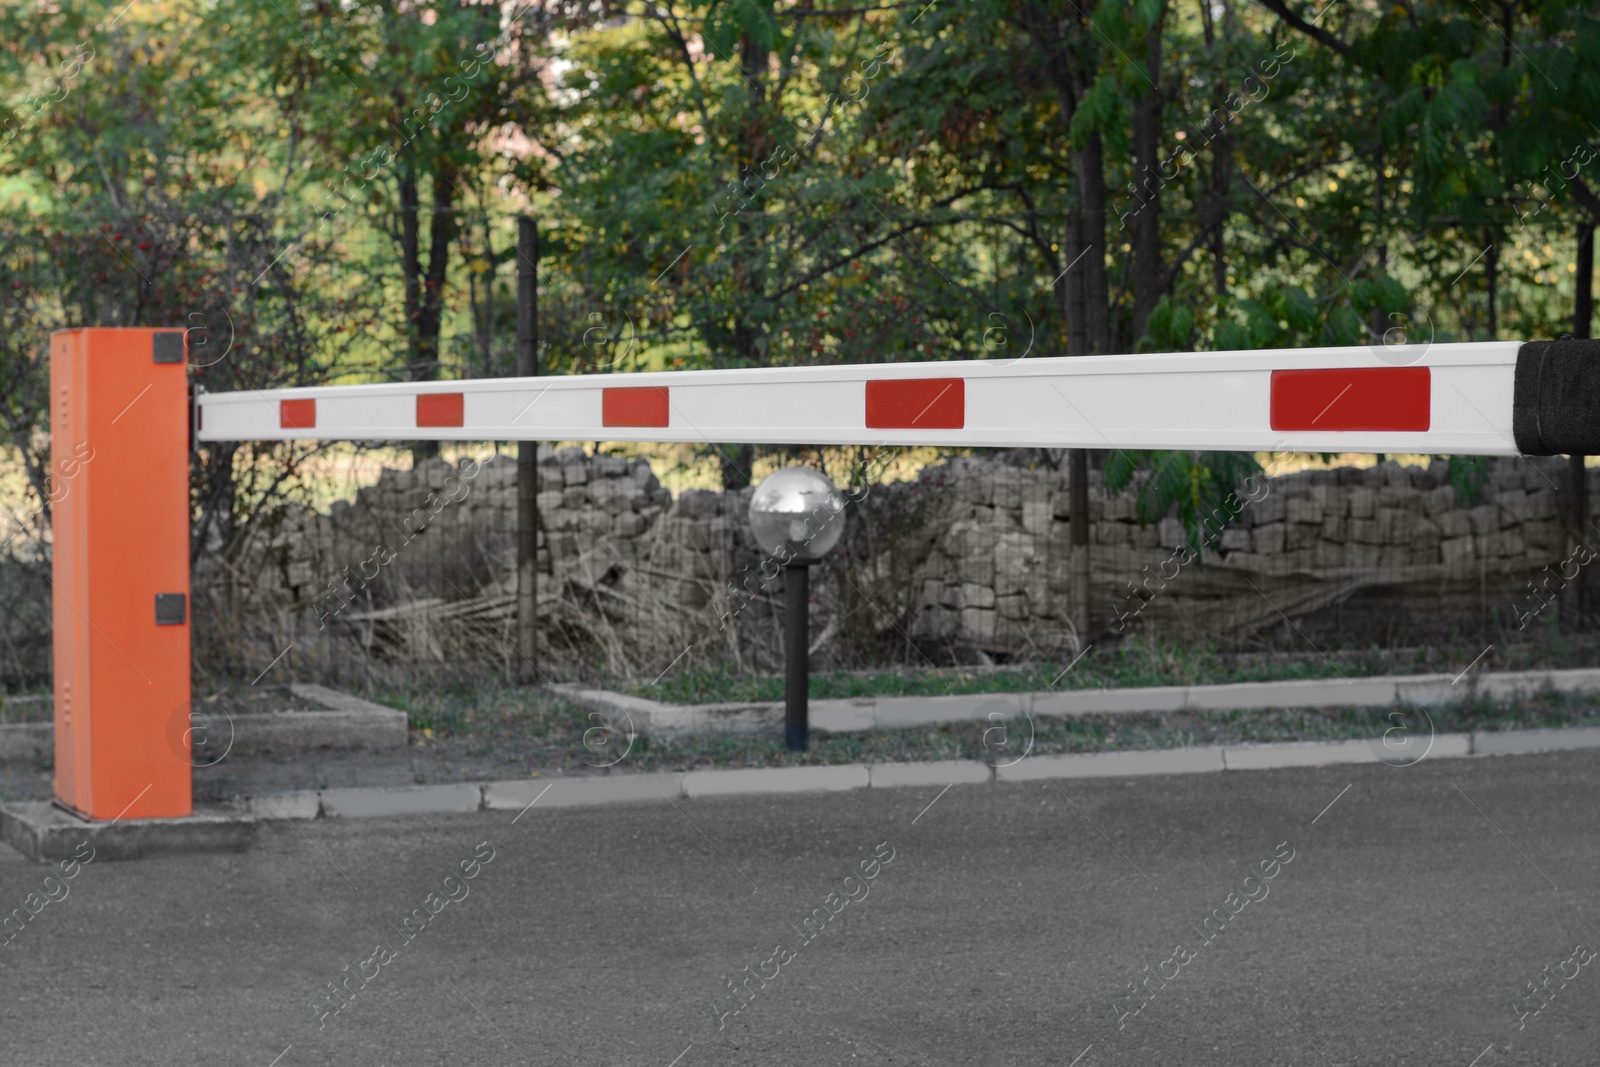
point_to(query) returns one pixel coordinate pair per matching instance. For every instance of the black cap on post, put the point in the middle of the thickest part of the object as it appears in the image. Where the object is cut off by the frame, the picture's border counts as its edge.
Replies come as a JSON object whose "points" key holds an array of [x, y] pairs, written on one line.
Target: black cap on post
{"points": [[1555, 405]]}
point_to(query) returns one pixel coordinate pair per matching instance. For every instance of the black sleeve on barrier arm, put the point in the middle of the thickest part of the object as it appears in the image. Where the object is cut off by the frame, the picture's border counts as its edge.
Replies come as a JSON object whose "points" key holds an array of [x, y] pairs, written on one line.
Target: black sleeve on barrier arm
{"points": [[1555, 405]]}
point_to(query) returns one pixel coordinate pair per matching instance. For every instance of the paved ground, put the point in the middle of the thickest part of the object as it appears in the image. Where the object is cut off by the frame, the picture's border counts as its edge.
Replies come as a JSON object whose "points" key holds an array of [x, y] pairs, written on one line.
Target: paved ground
{"points": [[324, 769], [1005, 930], [465, 759]]}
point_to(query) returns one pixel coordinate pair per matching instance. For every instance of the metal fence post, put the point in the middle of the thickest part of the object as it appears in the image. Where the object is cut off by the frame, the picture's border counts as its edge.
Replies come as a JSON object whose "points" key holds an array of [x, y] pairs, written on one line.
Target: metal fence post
{"points": [[527, 454]]}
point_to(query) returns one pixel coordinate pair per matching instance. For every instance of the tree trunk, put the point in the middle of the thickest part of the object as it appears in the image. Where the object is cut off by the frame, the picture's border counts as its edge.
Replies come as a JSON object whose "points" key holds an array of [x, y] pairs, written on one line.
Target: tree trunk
{"points": [[1583, 298], [1220, 208], [1491, 271], [527, 455], [1217, 202], [1096, 336], [1078, 517], [736, 462], [1091, 210], [1068, 56], [480, 286], [441, 237], [1379, 326], [1149, 280], [1072, 287], [424, 287], [411, 258], [749, 275], [1577, 475]]}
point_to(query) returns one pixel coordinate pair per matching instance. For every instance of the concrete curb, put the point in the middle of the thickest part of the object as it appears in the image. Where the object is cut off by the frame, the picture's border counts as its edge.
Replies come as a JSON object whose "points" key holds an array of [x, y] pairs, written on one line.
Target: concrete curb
{"points": [[942, 772], [1114, 764], [406, 800], [349, 723], [578, 792], [1300, 754], [305, 804], [43, 832], [1441, 746], [756, 780], [523, 793], [867, 713], [1517, 742]]}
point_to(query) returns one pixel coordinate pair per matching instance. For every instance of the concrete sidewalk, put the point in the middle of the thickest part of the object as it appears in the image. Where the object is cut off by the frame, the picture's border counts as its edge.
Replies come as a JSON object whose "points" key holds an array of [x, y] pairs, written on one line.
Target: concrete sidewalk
{"points": [[868, 713], [668, 787]]}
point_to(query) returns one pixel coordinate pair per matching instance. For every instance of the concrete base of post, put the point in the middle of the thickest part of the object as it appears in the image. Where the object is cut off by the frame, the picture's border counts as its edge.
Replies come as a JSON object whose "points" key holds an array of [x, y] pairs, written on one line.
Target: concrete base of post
{"points": [[43, 832]]}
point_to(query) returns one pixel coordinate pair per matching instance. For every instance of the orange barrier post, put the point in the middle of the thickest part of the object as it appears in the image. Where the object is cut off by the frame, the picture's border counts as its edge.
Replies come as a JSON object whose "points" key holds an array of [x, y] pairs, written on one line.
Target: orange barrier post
{"points": [[119, 473]]}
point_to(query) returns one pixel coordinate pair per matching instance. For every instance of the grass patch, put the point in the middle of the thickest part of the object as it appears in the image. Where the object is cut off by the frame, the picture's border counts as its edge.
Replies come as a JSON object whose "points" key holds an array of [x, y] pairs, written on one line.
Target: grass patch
{"points": [[1136, 664], [466, 708], [29, 708], [545, 735], [214, 696]]}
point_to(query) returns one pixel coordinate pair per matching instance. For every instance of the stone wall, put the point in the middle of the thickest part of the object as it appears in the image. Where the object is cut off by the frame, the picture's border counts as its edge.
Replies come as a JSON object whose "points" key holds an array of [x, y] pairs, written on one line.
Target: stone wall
{"points": [[1381, 554], [970, 561]]}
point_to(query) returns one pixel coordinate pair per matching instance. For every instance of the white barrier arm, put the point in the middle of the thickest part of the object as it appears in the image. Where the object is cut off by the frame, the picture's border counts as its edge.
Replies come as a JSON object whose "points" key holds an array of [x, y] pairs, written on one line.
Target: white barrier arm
{"points": [[1477, 398]]}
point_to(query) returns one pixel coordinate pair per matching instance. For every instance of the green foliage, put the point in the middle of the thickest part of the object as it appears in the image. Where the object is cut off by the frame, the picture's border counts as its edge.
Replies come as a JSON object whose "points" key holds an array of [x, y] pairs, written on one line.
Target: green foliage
{"points": [[764, 182], [1200, 488], [1169, 329], [1468, 474]]}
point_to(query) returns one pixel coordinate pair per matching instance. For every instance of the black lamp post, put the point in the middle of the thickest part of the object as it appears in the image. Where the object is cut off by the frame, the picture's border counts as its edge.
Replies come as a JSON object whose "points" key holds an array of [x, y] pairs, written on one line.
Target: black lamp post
{"points": [[797, 516], [796, 656]]}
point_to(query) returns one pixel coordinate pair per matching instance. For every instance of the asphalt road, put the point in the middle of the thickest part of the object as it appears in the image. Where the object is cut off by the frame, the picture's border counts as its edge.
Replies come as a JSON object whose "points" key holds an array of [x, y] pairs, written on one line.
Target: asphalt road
{"points": [[1006, 930]]}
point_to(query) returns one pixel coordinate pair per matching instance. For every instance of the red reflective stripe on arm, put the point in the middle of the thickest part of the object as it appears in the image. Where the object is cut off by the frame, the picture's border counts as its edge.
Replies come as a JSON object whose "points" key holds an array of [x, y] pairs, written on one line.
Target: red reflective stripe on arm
{"points": [[1365, 398], [645, 405], [297, 414], [917, 404], [439, 409]]}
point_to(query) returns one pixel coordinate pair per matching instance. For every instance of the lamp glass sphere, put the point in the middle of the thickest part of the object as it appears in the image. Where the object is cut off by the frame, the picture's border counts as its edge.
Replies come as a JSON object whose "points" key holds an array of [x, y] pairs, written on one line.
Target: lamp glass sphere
{"points": [[797, 514]]}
